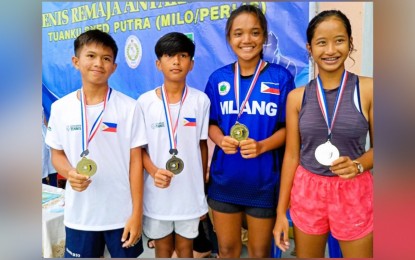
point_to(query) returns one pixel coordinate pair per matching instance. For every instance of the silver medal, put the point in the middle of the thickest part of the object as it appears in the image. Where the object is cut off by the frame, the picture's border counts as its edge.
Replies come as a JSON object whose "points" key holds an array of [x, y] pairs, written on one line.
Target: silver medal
{"points": [[326, 153]]}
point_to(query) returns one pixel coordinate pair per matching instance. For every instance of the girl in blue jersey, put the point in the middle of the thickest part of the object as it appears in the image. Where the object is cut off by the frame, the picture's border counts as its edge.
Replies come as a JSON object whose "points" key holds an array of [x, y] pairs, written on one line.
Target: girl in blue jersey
{"points": [[247, 96], [325, 175]]}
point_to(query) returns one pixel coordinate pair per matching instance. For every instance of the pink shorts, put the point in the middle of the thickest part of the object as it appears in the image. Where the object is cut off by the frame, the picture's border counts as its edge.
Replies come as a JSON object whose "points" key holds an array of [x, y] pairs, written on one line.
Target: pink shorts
{"points": [[320, 204]]}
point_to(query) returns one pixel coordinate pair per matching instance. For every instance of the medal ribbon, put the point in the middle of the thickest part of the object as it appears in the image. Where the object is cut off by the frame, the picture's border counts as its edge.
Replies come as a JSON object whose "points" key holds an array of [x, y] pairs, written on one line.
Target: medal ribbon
{"points": [[321, 96], [237, 83], [172, 130], [87, 137]]}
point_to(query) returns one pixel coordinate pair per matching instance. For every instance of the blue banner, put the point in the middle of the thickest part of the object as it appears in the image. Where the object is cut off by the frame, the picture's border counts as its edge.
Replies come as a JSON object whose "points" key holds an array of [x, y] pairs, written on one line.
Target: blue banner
{"points": [[136, 27]]}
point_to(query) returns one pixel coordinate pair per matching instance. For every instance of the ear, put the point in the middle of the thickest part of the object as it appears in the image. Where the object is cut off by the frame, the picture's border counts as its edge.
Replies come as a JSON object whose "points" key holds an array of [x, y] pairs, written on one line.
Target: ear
{"points": [[158, 64], [192, 63], [351, 44], [114, 67], [75, 61], [308, 49]]}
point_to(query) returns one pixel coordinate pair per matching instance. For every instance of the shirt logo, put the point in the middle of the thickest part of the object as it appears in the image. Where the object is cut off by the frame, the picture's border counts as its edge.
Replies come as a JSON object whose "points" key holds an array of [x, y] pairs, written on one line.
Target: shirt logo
{"points": [[224, 88], [157, 125], [189, 121], [270, 88], [71, 128], [109, 127]]}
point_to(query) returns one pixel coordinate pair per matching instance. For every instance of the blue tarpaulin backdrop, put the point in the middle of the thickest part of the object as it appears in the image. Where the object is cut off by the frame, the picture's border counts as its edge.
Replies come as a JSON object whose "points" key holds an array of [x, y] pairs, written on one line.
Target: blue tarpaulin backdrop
{"points": [[136, 27]]}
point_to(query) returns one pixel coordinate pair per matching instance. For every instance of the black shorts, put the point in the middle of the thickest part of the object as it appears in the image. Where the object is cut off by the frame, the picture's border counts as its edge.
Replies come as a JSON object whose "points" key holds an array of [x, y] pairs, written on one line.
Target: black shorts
{"points": [[225, 207]]}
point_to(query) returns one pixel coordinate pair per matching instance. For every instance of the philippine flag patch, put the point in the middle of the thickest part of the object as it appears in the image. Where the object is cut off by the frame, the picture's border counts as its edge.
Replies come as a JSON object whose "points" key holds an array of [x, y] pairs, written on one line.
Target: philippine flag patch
{"points": [[109, 127], [270, 88], [189, 121]]}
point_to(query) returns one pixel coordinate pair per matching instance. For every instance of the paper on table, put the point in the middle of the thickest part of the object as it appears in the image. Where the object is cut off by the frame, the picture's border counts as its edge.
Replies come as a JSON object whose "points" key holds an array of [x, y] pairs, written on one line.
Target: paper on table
{"points": [[47, 196]]}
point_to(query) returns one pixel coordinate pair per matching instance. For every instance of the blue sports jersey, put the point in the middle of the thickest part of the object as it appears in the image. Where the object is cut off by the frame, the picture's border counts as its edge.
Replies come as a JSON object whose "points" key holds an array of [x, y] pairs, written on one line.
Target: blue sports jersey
{"points": [[233, 179]]}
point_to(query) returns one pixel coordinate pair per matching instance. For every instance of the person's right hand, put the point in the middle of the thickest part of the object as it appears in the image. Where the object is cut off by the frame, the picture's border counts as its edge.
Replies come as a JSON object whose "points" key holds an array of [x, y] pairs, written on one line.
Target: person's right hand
{"points": [[281, 233], [162, 178], [78, 181], [229, 145]]}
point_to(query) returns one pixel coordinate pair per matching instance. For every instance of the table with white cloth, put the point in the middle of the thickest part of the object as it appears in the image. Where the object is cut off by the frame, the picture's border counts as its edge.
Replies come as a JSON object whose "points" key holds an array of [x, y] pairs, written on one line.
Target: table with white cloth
{"points": [[53, 229]]}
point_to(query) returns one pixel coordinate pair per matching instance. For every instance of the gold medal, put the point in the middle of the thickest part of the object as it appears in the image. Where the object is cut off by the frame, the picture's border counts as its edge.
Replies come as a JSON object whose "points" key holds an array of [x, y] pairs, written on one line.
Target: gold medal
{"points": [[239, 132], [175, 165], [86, 167]]}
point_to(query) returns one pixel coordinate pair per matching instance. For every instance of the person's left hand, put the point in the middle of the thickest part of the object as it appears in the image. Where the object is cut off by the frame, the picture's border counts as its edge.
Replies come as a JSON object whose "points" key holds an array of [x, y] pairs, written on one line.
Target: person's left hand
{"points": [[249, 148], [344, 167], [132, 231]]}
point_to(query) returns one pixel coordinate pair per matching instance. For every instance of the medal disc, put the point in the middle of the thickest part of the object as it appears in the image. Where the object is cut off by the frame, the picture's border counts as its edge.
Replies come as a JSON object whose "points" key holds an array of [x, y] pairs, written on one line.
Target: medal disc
{"points": [[239, 132], [175, 165], [86, 167], [326, 153]]}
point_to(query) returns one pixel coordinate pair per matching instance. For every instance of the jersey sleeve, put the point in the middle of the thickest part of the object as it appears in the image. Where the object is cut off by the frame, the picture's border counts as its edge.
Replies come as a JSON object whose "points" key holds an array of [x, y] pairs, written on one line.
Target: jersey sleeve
{"points": [[287, 86], [205, 118], [52, 138], [210, 92], [138, 136]]}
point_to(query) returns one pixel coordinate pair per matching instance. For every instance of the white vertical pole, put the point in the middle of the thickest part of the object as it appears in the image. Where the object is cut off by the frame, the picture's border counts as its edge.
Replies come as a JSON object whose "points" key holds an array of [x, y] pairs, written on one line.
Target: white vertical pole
{"points": [[367, 44]]}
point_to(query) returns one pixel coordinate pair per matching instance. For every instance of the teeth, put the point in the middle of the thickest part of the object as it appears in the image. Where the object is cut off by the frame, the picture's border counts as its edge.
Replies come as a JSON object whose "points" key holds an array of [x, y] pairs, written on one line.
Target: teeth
{"points": [[330, 59]]}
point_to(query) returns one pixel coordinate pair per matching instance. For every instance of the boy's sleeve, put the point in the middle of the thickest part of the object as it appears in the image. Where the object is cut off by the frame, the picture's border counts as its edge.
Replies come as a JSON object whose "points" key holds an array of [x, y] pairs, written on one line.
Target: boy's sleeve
{"points": [[138, 133], [52, 138], [213, 114], [205, 117]]}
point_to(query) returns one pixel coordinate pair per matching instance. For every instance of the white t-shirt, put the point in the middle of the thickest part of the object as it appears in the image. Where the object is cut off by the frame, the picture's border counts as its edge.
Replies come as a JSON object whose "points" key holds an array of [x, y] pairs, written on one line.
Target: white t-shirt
{"points": [[185, 197], [106, 204]]}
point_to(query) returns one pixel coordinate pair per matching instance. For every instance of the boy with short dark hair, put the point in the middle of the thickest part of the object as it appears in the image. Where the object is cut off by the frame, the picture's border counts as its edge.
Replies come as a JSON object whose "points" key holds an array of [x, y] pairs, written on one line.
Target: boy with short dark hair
{"points": [[176, 120], [95, 138]]}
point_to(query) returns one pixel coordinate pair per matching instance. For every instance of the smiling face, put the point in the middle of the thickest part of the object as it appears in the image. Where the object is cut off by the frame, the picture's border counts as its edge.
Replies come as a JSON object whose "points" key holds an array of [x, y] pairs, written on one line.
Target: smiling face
{"points": [[330, 45], [246, 37], [95, 63], [175, 66]]}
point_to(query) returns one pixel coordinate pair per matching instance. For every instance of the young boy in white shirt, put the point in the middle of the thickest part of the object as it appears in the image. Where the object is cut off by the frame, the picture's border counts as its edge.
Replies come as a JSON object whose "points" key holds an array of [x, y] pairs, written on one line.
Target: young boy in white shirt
{"points": [[176, 120], [95, 138]]}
